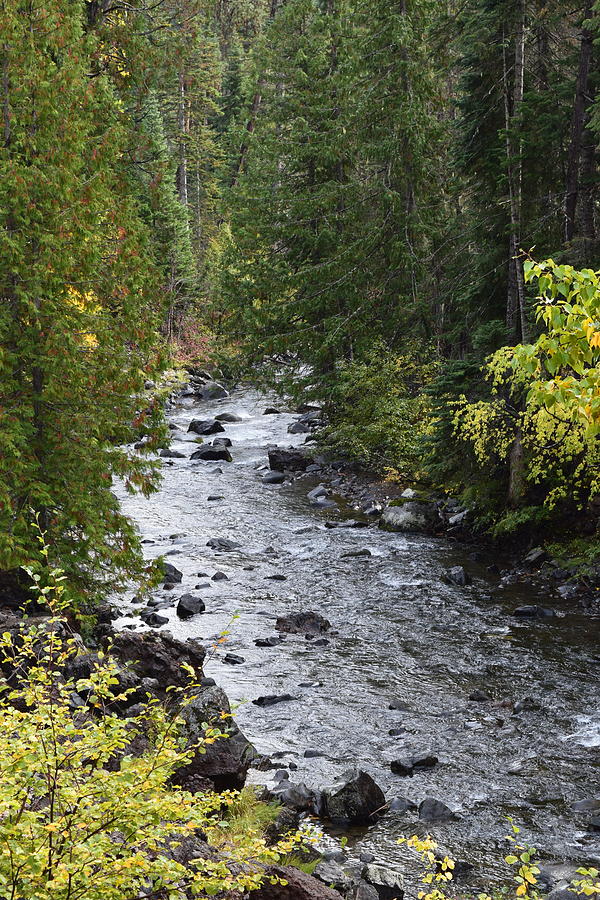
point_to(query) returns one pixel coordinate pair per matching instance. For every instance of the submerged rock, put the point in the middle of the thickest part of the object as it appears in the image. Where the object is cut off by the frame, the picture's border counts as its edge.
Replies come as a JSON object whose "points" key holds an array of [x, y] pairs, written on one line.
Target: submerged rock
{"points": [[431, 810], [458, 575], [303, 623], [223, 544]]}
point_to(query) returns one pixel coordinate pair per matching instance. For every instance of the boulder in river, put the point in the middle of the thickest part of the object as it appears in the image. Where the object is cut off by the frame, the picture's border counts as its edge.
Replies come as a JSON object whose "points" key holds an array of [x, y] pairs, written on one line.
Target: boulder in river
{"points": [[212, 390], [228, 418], [458, 575], [388, 883], [272, 699], [212, 453], [281, 460], [205, 426], [357, 799], [172, 575], [188, 606], [298, 428], [410, 516], [222, 442], [303, 623], [222, 544], [167, 453], [271, 411], [431, 810], [154, 619], [223, 764], [273, 478]]}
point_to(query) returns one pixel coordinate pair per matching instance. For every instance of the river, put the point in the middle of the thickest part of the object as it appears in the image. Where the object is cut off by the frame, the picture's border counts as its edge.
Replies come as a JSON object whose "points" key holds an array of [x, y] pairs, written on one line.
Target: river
{"points": [[401, 633]]}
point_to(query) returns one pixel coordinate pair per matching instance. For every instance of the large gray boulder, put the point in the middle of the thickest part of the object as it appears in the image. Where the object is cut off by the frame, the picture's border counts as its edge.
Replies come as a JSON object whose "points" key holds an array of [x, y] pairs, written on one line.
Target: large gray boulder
{"points": [[357, 799], [417, 516], [220, 766]]}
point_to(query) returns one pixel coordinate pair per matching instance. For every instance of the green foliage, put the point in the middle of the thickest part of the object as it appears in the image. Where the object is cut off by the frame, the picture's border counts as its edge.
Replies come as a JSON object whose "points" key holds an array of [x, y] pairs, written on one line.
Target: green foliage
{"points": [[88, 809], [78, 302], [323, 258], [379, 413], [544, 410]]}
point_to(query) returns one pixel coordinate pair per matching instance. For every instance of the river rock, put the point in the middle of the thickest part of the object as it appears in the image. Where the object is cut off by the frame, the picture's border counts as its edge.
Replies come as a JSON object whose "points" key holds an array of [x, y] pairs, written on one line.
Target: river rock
{"points": [[213, 453], [232, 659], [220, 576], [205, 426], [298, 428], [317, 493], [222, 544], [329, 872], [222, 442], [407, 766], [533, 611], [172, 575], [229, 418], [272, 699], [153, 619], [167, 453], [365, 891], [212, 390], [388, 883], [356, 554], [224, 764], [357, 799], [458, 575], [292, 460], [411, 516], [271, 411], [431, 810], [298, 886], [157, 656], [303, 623], [273, 478], [188, 606], [478, 696]]}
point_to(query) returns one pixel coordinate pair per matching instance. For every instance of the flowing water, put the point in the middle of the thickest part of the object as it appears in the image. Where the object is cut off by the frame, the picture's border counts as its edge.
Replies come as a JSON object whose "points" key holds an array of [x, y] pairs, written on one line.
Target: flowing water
{"points": [[401, 633]]}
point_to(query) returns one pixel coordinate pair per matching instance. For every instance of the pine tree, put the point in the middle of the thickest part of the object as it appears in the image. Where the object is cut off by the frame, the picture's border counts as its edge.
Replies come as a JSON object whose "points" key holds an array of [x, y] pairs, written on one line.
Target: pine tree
{"points": [[78, 293]]}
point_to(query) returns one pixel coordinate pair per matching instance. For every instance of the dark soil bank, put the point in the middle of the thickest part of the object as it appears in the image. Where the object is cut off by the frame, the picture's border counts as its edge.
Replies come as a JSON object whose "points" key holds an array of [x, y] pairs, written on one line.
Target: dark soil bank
{"points": [[421, 667]]}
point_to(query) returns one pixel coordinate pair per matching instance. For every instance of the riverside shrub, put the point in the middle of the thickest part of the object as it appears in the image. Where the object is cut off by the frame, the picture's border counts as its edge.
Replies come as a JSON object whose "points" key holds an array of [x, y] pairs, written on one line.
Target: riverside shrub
{"points": [[83, 814]]}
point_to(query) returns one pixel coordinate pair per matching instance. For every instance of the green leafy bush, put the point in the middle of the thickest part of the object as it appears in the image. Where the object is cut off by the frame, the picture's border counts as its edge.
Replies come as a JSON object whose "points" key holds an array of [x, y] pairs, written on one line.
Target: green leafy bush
{"points": [[88, 808], [379, 413]]}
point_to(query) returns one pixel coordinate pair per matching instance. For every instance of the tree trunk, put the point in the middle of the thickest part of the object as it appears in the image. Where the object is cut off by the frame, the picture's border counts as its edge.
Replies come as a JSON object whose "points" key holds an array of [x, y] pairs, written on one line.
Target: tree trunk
{"points": [[515, 307], [580, 103], [517, 481], [182, 124]]}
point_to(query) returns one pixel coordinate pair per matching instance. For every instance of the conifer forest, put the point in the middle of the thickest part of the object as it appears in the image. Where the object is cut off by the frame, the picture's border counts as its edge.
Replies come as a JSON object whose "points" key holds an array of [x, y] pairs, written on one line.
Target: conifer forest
{"points": [[299, 449]]}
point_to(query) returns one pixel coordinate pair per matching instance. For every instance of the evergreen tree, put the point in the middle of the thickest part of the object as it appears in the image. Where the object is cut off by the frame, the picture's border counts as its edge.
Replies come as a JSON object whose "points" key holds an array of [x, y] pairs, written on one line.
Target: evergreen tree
{"points": [[78, 293]]}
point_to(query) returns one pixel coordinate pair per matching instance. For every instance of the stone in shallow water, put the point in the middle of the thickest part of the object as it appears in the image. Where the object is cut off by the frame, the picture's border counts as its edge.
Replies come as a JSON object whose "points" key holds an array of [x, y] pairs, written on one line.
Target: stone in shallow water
{"points": [[188, 606]]}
